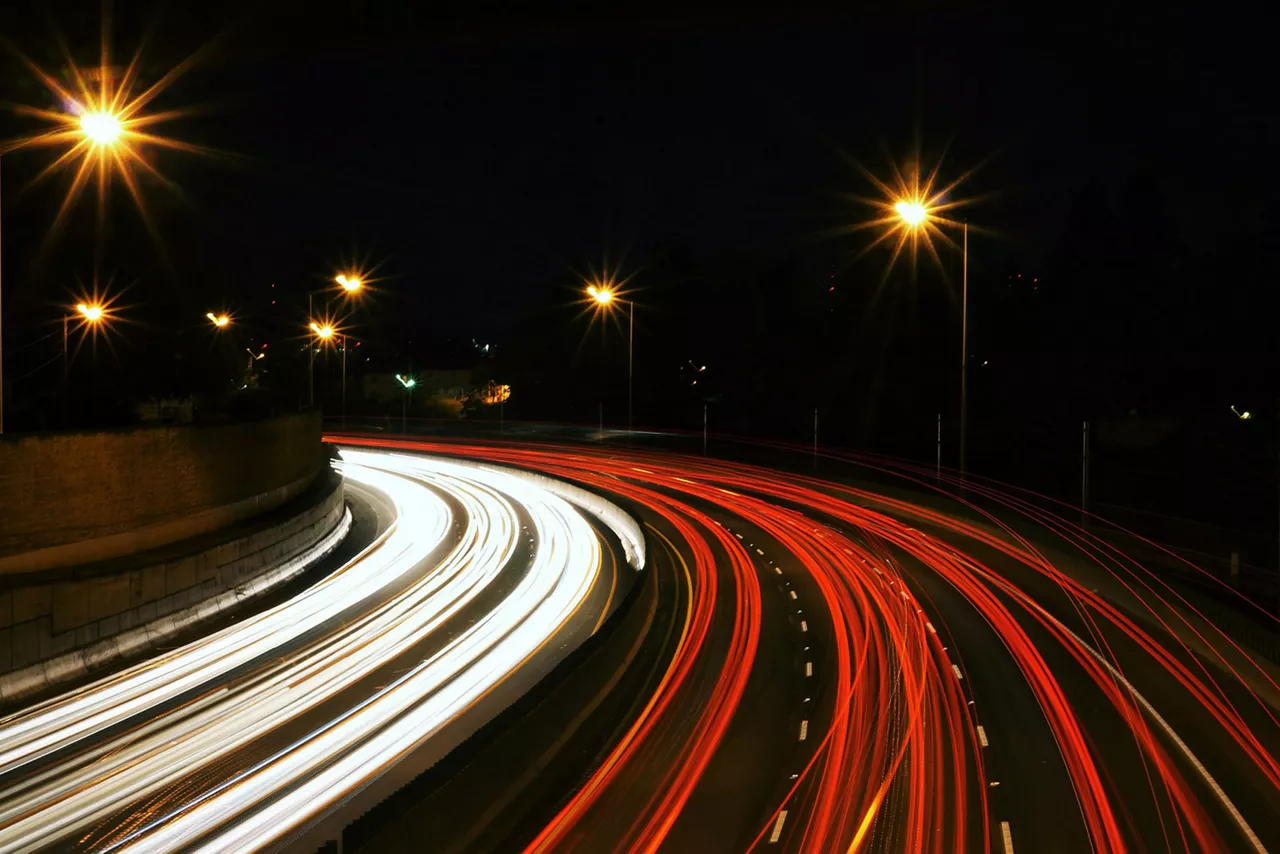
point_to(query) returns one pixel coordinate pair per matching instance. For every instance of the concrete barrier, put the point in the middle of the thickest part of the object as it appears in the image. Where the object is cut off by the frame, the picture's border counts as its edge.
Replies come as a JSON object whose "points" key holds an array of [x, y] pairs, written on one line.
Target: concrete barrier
{"points": [[68, 499], [60, 629]]}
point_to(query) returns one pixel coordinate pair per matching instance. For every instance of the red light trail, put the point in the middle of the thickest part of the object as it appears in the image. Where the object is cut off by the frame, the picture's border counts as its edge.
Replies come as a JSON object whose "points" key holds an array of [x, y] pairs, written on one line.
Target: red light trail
{"points": [[898, 751]]}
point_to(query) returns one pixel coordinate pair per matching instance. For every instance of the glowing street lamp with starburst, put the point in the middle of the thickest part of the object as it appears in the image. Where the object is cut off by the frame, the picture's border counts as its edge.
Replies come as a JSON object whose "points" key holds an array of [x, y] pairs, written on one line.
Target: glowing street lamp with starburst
{"points": [[912, 211], [104, 129]]}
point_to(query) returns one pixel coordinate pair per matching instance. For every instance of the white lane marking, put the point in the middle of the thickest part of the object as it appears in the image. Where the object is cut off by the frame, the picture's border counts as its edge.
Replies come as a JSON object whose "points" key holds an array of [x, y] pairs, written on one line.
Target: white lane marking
{"points": [[804, 730], [804, 625], [739, 536], [1173, 736], [778, 570], [793, 594], [982, 736], [906, 595], [930, 627], [777, 827], [1008, 837], [760, 552], [808, 668], [959, 675]]}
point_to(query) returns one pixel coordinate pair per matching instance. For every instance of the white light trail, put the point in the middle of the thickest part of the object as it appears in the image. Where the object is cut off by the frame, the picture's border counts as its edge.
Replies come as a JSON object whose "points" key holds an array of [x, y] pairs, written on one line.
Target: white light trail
{"points": [[257, 804]]}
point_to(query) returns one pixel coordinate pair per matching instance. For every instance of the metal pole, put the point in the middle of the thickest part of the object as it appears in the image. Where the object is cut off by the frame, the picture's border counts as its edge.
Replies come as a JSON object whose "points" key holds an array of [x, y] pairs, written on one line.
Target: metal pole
{"points": [[65, 369], [631, 338], [502, 416], [704, 429], [404, 412], [344, 383], [1084, 477], [601, 413], [815, 437], [311, 360], [1, 351], [939, 447], [964, 360]]}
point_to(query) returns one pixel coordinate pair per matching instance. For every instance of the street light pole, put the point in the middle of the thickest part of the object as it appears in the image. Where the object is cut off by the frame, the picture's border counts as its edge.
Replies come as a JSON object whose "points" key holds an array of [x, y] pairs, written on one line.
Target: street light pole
{"points": [[605, 296], [311, 358], [631, 339], [1, 327], [65, 368], [344, 383], [964, 358]]}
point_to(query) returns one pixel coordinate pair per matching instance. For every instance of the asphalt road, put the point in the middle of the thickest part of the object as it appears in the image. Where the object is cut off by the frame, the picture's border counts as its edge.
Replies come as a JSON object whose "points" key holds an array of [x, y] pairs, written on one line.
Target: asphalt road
{"points": [[818, 667]]}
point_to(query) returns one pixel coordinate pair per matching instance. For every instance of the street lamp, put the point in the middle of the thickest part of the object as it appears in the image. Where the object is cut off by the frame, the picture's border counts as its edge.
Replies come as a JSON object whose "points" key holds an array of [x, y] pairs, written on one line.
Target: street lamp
{"points": [[605, 296], [350, 286], [408, 383], [100, 130], [88, 314], [915, 214], [101, 127], [218, 320]]}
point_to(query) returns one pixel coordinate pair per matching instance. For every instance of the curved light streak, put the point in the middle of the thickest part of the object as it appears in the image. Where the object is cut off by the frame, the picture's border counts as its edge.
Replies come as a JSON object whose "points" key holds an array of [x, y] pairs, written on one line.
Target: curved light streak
{"points": [[900, 765], [263, 802]]}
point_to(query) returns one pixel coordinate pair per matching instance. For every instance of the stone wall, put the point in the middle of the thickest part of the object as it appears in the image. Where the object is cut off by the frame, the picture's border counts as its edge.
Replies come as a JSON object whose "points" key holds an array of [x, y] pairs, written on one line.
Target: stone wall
{"points": [[41, 620], [68, 499]]}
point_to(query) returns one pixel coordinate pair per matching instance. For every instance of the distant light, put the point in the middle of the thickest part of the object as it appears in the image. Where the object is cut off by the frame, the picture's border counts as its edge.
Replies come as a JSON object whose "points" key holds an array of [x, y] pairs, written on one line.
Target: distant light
{"points": [[407, 382], [602, 296], [218, 320], [351, 284], [102, 128], [912, 213], [324, 332], [92, 313], [1243, 416]]}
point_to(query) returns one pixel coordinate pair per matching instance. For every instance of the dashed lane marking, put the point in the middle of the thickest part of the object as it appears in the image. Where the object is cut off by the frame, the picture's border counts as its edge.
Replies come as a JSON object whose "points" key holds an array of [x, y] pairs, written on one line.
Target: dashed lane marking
{"points": [[777, 827], [804, 730], [982, 736]]}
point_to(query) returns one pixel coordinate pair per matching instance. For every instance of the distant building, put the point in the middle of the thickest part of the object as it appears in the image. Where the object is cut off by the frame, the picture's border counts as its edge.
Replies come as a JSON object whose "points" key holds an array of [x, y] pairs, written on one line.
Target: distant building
{"points": [[437, 382]]}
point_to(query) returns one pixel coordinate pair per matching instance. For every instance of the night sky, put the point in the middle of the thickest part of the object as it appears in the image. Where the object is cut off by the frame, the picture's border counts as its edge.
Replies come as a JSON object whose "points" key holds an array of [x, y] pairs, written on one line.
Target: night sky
{"points": [[470, 154], [481, 162]]}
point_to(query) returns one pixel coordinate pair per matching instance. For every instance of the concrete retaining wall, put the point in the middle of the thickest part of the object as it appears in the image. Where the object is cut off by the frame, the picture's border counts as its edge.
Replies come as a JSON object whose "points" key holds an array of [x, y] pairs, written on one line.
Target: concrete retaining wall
{"points": [[68, 499], [41, 622]]}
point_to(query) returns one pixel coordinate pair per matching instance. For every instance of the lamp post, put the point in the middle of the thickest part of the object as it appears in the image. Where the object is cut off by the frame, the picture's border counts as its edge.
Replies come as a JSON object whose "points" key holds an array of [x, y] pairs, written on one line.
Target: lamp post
{"points": [[605, 297], [100, 129], [408, 383], [90, 313], [351, 285], [914, 215]]}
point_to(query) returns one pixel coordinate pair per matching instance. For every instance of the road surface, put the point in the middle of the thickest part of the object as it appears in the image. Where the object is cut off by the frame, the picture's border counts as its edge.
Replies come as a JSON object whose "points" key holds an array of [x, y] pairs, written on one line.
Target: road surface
{"points": [[832, 668]]}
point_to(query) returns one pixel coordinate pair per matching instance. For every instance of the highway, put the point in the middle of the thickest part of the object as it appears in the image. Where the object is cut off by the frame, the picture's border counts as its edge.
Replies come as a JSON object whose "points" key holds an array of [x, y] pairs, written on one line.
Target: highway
{"points": [[478, 581], [828, 667]]}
